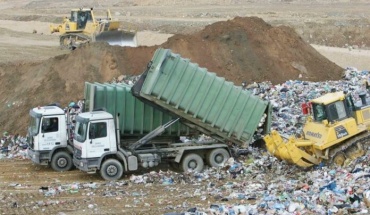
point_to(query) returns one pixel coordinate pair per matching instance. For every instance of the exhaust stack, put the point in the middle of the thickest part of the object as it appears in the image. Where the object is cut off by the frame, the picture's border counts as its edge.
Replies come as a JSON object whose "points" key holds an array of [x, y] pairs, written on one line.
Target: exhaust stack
{"points": [[363, 98]]}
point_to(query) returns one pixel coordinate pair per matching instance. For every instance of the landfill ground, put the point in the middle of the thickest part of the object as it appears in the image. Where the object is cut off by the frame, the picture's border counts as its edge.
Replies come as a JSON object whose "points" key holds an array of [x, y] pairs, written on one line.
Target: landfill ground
{"points": [[339, 30], [22, 181]]}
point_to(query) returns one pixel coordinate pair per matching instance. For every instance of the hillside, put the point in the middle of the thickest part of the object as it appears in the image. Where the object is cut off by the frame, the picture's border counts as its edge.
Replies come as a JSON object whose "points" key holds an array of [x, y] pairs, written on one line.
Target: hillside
{"points": [[241, 49]]}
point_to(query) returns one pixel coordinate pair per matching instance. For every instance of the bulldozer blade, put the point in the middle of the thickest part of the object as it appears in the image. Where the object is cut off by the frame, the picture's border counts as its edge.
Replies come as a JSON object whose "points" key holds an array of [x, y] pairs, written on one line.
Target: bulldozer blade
{"points": [[118, 38], [289, 151]]}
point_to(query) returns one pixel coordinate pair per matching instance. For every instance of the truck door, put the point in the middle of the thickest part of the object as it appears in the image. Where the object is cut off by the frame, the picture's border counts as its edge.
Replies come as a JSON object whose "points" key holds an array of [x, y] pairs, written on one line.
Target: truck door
{"points": [[99, 141], [50, 135]]}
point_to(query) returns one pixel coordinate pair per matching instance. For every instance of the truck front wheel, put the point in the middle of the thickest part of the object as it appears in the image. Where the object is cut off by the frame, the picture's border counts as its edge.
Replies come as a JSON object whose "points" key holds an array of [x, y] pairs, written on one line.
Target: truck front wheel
{"points": [[61, 161], [192, 162], [217, 157], [111, 170]]}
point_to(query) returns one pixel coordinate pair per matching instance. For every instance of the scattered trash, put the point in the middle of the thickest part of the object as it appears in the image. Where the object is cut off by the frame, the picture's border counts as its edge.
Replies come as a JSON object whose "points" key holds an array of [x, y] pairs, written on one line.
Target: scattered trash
{"points": [[13, 146], [70, 188]]}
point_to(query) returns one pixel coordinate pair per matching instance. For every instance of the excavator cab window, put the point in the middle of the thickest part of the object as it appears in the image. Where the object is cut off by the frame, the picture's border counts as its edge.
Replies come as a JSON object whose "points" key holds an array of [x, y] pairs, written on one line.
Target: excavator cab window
{"points": [[74, 16], [350, 104], [82, 18], [319, 112], [337, 111]]}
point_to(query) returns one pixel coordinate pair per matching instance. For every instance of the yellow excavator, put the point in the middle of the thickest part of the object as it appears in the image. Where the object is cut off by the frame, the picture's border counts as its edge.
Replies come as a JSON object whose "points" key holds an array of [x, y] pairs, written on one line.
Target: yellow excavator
{"points": [[335, 132], [83, 26]]}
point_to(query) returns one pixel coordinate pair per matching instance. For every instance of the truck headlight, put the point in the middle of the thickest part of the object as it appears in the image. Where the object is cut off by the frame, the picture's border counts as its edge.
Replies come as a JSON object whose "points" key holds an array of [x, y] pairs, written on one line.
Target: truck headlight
{"points": [[33, 156], [81, 164]]}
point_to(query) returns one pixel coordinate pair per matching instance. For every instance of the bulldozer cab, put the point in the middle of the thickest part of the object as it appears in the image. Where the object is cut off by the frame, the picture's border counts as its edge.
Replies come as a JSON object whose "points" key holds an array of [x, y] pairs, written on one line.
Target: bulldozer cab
{"points": [[335, 108], [81, 17]]}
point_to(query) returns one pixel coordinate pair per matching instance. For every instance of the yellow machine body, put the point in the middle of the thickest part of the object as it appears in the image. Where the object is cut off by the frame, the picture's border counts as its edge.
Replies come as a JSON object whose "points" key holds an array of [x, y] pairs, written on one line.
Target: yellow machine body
{"points": [[83, 26], [343, 122]]}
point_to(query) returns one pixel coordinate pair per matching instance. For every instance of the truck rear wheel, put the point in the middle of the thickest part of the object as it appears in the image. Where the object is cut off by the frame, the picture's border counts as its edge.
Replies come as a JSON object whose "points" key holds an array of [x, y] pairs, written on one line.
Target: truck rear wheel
{"points": [[217, 157], [61, 161], [111, 170], [192, 162]]}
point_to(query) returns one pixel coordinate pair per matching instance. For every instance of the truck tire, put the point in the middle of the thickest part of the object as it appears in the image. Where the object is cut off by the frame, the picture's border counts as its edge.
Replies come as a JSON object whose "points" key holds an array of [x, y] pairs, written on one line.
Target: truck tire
{"points": [[192, 162], [217, 157], [111, 170], [61, 161]]}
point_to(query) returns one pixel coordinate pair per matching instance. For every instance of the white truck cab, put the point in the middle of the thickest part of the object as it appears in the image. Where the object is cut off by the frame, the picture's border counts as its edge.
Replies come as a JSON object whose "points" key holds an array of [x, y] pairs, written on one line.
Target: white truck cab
{"points": [[48, 138], [94, 135], [95, 142]]}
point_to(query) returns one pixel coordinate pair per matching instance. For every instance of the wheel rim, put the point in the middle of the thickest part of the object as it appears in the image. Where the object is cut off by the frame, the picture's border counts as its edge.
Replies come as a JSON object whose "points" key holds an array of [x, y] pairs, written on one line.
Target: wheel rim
{"points": [[112, 170], [192, 164], [62, 162], [219, 158]]}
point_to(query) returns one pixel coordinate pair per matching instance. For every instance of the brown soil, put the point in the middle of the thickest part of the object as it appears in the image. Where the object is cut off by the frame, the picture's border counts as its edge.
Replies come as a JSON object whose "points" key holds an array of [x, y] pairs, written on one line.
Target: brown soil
{"points": [[240, 49], [250, 49]]}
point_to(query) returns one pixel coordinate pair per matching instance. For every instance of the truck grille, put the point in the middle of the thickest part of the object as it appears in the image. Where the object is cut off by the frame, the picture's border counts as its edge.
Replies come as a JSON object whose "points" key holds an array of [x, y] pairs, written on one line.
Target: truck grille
{"points": [[77, 153]]}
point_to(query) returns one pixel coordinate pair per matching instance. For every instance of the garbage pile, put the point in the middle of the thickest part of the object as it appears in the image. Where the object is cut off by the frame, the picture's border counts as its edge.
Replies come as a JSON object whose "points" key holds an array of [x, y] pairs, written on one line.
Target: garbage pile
{"points": [[261, 185], [13, 146]]}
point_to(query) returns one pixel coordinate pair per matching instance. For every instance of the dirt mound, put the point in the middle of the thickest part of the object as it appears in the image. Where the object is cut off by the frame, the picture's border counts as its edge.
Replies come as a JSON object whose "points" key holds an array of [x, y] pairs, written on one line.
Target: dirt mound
{"points": [[252, 50], [239, 49], [61, 79]]}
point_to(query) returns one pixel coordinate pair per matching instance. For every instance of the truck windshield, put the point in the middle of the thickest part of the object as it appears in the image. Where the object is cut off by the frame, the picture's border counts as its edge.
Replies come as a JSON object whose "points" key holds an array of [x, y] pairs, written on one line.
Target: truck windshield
{"points": [[34, 125], [80, 131]]}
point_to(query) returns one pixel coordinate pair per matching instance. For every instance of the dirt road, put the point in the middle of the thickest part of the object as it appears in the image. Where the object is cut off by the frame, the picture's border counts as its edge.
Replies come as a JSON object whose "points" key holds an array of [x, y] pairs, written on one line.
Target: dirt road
{"points": [[30, 189]]}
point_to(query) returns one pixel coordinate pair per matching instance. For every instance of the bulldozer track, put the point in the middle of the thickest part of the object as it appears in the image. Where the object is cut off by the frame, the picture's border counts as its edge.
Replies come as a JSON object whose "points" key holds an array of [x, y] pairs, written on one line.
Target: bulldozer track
{"points": [[72, 40], [363, 139]]}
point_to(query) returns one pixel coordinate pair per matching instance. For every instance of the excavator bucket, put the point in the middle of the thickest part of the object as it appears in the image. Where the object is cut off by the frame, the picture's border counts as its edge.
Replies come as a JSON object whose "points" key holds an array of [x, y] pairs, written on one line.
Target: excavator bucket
{"points": [[289, 150], [118, 38]]}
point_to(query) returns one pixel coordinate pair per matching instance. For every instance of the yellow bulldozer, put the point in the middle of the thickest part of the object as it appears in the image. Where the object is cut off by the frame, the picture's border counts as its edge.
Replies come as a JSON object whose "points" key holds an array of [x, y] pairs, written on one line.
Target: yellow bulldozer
{"points": [[83, 26], [335, 132]]}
